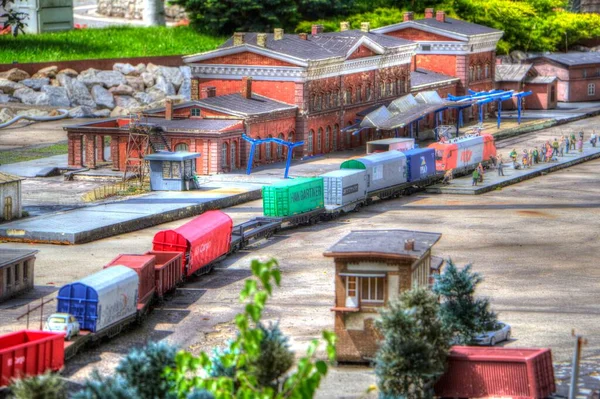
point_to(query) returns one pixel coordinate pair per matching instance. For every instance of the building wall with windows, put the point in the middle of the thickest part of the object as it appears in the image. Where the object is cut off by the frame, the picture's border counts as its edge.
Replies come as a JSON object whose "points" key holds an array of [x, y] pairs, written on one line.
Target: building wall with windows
{"points": [[16, 272], [575, 83]]}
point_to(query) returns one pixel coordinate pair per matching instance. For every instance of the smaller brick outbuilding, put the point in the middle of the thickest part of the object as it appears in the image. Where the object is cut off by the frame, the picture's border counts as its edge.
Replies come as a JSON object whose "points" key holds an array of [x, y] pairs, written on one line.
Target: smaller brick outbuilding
{"points": [[525, 77], [578, 74], [10, 196], [16, 271], [372, 268]]}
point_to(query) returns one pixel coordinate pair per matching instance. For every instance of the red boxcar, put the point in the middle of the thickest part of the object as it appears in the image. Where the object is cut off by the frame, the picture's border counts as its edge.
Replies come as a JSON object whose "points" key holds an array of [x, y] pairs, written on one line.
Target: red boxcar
{"points": [[477, 372], [463, 152], [25, 353], [167, 271], [202, 241], [143, 265]]}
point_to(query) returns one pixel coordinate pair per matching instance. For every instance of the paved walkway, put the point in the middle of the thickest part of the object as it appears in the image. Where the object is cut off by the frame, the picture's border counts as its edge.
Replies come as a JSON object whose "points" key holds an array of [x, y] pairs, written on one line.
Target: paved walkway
{"points": [[492, 181]]}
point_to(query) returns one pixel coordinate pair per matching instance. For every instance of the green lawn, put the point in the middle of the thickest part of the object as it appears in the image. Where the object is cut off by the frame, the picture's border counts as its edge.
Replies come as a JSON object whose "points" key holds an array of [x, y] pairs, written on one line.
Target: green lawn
{"points": [[27, 154], [113, 42]]}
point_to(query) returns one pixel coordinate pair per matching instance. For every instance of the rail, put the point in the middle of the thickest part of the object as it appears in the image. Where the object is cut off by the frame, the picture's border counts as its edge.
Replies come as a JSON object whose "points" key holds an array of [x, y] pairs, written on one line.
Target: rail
{"points": [[63, 114]]}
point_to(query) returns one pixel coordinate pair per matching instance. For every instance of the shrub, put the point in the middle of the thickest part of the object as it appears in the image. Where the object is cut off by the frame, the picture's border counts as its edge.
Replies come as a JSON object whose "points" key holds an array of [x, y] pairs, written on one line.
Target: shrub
{"points": [[45, 386]]}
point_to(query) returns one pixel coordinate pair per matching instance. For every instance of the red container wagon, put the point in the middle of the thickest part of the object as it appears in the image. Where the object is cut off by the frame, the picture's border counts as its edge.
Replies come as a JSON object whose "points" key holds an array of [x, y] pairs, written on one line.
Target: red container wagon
{"points": [[463, 152], [26, 353], [202, 241], [167, 271], [143, 265], [477, 372]]}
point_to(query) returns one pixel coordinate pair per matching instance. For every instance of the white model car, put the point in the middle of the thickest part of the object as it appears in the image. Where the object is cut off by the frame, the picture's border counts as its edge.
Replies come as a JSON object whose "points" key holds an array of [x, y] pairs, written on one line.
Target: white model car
{"points": [[491, 338], [63, 322]]}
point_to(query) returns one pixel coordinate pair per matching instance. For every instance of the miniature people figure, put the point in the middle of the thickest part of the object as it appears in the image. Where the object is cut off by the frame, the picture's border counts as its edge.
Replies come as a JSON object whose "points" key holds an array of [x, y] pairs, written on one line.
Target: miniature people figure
{"points": [[561, 147], [475, 177], [555, 146], [513, 154], [525, 159], [593, 139], [573, 141], [567, 144], [530, 157], [447, 177], [499, 166], [480, 170], [580, 143], [536, 155], [549, 152], [516, 165]]}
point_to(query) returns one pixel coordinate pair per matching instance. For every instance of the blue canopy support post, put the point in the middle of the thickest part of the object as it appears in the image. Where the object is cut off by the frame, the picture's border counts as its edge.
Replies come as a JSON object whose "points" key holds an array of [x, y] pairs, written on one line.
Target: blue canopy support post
{"points": [[519, 110], [251, 158], [396, 132], [411, 131], [499, 112], [417, 128]]}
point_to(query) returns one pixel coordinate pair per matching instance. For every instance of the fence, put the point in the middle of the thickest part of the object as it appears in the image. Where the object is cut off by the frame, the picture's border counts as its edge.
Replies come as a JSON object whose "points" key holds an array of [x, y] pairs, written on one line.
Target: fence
{"points": [[122, 188]]}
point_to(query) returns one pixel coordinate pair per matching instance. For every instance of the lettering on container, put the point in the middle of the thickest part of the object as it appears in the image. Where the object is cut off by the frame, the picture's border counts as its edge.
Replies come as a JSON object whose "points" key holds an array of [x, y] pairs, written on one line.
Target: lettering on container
{"points": [[18, 360], [200, 249], [350, 189], [307, 193]]}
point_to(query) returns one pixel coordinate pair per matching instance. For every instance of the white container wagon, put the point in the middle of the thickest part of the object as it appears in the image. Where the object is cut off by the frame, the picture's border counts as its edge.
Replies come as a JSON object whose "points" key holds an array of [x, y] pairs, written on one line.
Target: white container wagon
{"points": [[384, 170], [345, 189]]}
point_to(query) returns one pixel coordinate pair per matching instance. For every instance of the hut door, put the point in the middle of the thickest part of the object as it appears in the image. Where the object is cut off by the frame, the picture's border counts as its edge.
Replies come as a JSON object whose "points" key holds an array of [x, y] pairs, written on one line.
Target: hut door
{"points": [[8, 211], [351, 292]]}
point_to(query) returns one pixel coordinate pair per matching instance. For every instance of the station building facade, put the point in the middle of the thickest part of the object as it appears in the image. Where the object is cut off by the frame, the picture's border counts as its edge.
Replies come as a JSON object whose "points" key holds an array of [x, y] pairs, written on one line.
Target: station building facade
{"points": [[308, 87]]}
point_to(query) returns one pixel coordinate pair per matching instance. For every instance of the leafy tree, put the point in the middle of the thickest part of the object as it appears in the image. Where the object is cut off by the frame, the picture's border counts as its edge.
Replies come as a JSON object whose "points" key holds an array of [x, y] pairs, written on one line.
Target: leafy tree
{"points": [[227, 16], [45, 386], [413, 353], [316, 9], [255, 371], [463, 314]]}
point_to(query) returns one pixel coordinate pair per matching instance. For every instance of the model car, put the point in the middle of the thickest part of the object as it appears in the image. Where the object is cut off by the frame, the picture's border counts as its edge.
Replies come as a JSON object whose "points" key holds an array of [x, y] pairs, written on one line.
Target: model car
{"points": [[491, 338], [63, 322]]}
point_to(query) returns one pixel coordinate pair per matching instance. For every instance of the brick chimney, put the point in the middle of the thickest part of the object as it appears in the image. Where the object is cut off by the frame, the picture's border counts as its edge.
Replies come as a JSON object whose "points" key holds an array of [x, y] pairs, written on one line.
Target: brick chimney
{"points": [[316, 30], [409, 245], [238, 38], [440, 16], [365, 26], [169, 109], [261, 40], [277, 34], [429, 13], [409, 16], [247, 87], [344, 26], [303, 36]]}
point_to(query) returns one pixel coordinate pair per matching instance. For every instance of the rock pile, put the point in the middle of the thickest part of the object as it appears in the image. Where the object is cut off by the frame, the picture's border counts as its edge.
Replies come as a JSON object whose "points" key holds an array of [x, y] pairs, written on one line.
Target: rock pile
{"points": [[94, 93]]}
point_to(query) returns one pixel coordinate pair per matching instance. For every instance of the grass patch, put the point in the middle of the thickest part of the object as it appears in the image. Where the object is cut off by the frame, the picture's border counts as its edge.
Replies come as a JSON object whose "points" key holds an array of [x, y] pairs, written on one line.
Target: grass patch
{"points": [[27, 154], [111, 42]]}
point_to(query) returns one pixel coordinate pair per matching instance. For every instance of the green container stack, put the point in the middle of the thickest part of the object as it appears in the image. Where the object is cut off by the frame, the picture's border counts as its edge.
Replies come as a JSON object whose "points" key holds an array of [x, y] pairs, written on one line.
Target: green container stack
{"points": [[293, 196]]}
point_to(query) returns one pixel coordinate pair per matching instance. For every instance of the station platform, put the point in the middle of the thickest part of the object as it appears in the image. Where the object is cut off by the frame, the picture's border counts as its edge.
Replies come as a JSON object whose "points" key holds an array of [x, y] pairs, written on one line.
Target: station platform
{"points": [[492, 181], [92, 223]]}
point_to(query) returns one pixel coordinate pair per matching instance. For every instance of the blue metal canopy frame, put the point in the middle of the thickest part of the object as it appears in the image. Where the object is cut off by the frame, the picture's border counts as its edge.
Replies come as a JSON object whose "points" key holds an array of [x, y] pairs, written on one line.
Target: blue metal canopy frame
{"points": [[290, 147]]}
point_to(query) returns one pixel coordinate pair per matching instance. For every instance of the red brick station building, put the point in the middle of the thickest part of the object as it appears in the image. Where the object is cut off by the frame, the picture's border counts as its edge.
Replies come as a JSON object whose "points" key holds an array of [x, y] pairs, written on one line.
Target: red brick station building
{"points": [[305, 87]]}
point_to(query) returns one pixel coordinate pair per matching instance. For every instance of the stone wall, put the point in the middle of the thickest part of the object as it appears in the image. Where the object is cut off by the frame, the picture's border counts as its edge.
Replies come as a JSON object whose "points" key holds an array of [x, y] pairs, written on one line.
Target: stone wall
{"points": [[134, 9]]}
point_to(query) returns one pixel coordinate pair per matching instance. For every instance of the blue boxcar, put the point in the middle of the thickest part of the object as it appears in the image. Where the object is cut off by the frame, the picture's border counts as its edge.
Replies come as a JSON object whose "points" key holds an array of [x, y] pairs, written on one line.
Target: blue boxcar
{"points": [[420, 163]]}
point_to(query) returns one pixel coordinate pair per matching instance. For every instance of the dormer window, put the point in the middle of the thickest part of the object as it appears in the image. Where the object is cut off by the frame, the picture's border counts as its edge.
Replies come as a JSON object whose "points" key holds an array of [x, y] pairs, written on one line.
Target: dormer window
{"points": [[195, 112]]}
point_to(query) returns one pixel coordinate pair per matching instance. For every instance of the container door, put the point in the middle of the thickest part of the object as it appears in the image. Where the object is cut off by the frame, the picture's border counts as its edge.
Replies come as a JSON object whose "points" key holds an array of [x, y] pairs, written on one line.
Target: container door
{"points": [[351, 292]]}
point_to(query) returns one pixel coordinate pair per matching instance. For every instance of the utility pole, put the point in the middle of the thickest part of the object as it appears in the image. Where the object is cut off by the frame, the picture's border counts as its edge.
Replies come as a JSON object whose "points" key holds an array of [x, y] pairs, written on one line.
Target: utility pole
{"points": [[579, 342]]}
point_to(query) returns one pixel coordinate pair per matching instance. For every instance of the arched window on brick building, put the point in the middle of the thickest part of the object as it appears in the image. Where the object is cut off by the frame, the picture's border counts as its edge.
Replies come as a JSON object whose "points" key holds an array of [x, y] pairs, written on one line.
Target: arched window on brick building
{"points": [[327, 138], [348, 137], [471, 73], [319, 140], [280, 147], [257, 151], [268, 149], [327, 101], [382, 89], [478, 72], [336, 133], [348, 98], [336, 98], [487, 71], [309, 144], [181, 147], [224, 156], [359, 94], [234, 155], [368, 95]]}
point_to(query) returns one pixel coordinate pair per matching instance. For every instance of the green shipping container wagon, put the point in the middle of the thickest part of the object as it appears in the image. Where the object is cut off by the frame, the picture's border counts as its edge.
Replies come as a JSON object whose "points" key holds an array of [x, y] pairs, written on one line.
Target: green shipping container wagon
{"points": [[293, 197]]}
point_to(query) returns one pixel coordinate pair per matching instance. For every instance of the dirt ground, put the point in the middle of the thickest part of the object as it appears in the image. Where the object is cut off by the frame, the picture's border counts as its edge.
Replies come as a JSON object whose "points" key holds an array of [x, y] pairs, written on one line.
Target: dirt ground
{"points": [[535, 243]]}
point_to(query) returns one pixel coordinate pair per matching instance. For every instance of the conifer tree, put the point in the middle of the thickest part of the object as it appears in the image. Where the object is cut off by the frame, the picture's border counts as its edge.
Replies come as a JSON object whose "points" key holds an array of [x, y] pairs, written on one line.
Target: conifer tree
{"points": [[462, 313], [413, 353], [45, 386]]}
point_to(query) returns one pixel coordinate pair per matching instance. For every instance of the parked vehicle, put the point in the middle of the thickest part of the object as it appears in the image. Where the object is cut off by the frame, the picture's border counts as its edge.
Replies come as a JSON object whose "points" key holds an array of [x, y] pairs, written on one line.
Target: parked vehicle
{"points": [[383, 170], [202, 241], [293, 196], [475, 372], [64, 323], [103, 300], [392, 144], [491, 338], [27, 353]]}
